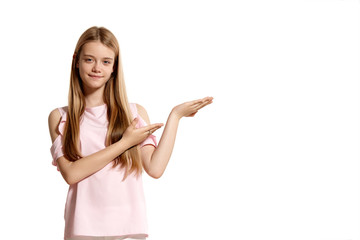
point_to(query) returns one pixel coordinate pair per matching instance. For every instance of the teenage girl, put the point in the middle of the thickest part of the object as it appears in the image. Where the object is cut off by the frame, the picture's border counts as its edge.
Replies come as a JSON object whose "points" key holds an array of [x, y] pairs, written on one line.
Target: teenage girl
{"points": [[101, 144]]}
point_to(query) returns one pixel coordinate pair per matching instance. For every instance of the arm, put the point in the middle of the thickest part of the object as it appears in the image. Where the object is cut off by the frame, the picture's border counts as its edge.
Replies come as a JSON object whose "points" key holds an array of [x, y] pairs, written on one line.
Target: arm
{"points": [[156, 160], [74, 172]]}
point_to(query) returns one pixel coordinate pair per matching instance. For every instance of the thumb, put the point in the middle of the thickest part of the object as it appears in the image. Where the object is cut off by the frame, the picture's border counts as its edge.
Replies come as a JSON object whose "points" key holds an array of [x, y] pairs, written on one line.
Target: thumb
{"points": [[134, 122]]}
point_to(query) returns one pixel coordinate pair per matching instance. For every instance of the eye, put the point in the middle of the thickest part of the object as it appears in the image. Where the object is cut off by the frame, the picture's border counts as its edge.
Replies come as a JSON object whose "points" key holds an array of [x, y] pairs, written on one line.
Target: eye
{"points": [[107, 62], [88, 60]]}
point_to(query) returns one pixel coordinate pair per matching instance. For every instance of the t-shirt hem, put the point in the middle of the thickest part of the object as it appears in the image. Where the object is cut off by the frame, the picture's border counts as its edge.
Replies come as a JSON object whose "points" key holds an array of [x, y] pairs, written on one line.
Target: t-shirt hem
{"points": [[112, 237]]}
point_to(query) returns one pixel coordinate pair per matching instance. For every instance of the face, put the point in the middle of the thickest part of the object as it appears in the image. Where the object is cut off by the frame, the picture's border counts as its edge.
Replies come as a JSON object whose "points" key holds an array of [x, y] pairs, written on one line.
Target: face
{"points": [[96, 64]]}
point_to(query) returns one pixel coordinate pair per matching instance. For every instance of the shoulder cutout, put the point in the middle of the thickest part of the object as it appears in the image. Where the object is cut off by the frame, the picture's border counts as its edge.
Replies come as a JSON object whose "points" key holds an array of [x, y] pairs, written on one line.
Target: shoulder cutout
{"points": [[54, 120]]}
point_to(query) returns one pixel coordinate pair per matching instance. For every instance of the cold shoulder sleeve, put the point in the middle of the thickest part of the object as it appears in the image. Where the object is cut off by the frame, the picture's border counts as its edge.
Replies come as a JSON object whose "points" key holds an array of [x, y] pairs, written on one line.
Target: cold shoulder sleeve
{"points": [[56, 148], [151, 140]]}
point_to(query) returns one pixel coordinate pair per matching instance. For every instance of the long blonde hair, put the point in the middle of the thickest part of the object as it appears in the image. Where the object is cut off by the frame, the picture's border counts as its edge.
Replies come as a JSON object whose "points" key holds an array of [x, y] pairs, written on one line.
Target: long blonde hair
{"points": [[115, 97]]}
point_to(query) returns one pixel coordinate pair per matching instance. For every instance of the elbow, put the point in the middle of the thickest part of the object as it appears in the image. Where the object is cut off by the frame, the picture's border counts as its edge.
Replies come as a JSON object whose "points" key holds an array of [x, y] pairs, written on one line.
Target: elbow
{"points": [[72, 180], [68, 182], [69, 174], [153, 172], [68, 179], [156, 174]]}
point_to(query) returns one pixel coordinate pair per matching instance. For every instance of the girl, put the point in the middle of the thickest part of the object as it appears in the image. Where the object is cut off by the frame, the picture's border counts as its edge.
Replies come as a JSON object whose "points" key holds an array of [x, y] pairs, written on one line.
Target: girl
{"points": [[101, 144]]}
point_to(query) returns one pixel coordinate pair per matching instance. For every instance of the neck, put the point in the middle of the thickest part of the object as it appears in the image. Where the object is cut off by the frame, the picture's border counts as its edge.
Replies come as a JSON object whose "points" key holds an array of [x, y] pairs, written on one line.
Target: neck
{"points": [[94, 97]]}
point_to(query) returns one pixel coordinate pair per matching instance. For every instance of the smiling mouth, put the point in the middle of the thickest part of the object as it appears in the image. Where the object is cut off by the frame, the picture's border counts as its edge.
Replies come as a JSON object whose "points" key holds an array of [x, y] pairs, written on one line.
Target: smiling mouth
{"points": [[94, 76]]}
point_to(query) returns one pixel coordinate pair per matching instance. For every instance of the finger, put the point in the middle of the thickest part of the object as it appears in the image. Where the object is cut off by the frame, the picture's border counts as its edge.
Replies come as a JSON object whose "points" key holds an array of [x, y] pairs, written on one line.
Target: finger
{"points": [[207, 99], [198, 101], [200, 106], [154, 128], [151, 127], [151, 131], [202, 100], [134, 122]]}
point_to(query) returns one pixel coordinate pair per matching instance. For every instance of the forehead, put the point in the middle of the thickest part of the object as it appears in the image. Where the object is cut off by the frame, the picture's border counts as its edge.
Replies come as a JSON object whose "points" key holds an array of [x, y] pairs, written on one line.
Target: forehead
{"points": [[97, 49]]}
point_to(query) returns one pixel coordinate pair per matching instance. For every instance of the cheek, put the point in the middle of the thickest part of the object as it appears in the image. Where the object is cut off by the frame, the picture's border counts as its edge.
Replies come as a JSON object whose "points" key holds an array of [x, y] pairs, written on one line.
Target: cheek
{"points": [[109, 70], [86, 67], [82, 70]]}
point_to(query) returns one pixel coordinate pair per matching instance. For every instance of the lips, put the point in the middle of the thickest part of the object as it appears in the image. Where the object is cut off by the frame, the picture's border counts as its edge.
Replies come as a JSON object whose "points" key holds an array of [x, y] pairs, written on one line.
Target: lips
{"points": [[95, 76]]}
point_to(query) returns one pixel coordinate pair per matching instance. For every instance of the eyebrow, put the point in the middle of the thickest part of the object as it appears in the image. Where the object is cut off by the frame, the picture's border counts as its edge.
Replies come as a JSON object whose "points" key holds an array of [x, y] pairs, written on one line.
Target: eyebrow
{"points": [[88, 55]]}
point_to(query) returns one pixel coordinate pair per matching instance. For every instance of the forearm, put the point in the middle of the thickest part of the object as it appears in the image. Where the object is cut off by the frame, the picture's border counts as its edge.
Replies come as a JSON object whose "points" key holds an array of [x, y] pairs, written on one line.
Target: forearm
{"points": [[162, 153], [155, 161], [74, 172]]}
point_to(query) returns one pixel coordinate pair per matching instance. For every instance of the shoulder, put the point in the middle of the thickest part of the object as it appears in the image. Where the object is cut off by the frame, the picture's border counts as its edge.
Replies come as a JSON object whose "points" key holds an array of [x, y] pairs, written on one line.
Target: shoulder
{"points": [[142, 112], [54, 116], [54, 119], [57, 114]]}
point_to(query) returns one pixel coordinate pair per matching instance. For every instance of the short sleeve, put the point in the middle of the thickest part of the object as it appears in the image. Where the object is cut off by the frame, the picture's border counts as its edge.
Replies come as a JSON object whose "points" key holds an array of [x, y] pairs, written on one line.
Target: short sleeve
{"points": [[151, 140], [56, 148]]}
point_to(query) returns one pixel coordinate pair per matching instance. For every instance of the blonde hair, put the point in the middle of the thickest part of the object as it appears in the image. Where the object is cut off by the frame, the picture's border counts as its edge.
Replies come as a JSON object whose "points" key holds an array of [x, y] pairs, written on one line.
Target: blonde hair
{"points": [[115, 97]]}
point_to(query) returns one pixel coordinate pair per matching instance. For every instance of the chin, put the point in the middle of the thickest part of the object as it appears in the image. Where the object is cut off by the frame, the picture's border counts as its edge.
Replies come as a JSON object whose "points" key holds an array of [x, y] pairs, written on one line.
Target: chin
{"points": [[94, 86]]}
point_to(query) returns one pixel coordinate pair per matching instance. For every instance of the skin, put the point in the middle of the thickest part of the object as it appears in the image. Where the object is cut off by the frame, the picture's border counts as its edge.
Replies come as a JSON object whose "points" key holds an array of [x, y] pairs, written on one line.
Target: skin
{"points": [[96, 64], [95, 67]]}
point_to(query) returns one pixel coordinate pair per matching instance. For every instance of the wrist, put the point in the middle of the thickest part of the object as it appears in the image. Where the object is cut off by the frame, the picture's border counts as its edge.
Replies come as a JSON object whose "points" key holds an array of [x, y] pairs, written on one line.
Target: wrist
{"points": [[174, 115], [124, 144]]}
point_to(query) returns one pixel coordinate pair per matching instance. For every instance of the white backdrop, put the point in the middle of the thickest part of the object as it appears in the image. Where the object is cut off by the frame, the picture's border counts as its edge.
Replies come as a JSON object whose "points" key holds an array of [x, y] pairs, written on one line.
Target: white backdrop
{"points": [[276, 156]]}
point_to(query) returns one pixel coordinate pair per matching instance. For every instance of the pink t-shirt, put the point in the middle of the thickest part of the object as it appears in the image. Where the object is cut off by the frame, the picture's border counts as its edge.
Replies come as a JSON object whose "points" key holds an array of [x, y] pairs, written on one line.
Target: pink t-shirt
{"points": [[102, 204]]}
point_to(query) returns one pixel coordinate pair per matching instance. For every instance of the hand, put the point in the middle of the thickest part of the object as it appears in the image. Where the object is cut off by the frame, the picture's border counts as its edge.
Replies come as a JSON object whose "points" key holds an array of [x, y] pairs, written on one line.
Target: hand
{"points": [[189, 109], [134, 136]]}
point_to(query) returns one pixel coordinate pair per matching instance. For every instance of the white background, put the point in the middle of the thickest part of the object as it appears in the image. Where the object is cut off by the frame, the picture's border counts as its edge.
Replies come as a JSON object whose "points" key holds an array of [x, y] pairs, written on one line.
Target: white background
{"points": [[276, 156]]}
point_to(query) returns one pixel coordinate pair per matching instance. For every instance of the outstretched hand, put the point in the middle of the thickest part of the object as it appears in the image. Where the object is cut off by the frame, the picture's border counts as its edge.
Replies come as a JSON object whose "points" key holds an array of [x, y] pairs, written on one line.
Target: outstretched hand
{"points": [[189, 109]]}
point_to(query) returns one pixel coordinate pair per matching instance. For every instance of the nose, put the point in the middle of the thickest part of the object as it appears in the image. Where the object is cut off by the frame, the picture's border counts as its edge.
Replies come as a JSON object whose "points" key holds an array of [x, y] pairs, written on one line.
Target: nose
{"points": [[96, 67]]}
